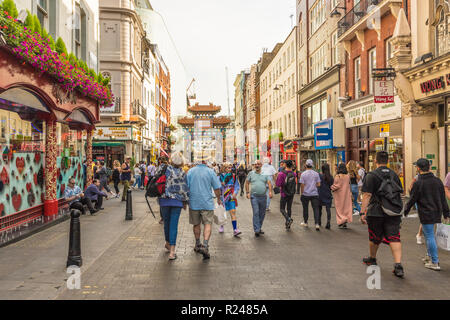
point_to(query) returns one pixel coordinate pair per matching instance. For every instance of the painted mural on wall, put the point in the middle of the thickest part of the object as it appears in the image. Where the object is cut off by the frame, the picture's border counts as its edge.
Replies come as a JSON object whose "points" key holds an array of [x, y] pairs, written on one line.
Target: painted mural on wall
{"points": [[68, 167], [21, 180]]}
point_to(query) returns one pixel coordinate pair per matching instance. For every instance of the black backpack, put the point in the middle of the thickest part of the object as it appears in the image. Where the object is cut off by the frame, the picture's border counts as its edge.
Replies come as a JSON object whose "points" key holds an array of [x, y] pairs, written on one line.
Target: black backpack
{"points": [[389, 194], [154, 186], [290, 185]]}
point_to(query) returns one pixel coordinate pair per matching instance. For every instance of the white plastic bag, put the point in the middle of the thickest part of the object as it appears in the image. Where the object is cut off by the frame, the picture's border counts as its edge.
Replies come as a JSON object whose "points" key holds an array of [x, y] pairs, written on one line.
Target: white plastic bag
{"points": [[442, 233], [220, 215]]}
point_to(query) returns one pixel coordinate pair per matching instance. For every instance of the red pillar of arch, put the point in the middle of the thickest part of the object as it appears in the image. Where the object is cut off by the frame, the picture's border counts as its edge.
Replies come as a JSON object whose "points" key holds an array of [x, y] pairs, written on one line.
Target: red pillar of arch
{"points": [[50, 203]]}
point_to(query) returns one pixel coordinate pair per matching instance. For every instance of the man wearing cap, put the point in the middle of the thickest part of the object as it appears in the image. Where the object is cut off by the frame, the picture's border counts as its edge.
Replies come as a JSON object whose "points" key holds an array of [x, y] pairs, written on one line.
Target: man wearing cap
{"points": [[429, 194], [310, 182]]}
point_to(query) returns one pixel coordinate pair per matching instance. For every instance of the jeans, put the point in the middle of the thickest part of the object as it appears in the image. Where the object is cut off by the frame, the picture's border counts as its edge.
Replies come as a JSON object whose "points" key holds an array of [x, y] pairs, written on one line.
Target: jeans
{"points": [[79, 205], [141, 183], [259, 211], [137, 181], [98, 202], [286, 201], [267, 194], [355, 193], [241, 183], [428, 232], [171, 215], [328, 209], [315, 203], [116, 186]]}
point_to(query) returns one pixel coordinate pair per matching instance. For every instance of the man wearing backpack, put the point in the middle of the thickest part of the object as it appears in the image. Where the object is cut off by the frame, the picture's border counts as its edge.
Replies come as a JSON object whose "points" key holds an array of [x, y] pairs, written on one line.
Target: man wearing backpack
{"points": [[382, 208], [429, 194], [287, 184]]}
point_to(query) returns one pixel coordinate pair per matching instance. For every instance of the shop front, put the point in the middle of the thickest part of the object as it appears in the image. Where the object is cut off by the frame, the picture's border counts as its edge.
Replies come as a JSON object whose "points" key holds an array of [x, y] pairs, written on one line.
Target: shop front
{"points": [[373, 127], [426, 112], [41, 144], [319, 100]]}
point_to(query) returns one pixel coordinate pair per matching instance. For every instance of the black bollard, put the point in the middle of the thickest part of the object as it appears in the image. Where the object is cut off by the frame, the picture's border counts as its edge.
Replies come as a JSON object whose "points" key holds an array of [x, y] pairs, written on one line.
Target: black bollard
{"points": [[129, 207], [74, 257]]}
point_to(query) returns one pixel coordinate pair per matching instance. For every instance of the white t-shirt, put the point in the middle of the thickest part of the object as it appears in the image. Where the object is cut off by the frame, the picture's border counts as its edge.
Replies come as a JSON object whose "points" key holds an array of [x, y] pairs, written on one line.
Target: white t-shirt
{"points": [[361, 173], [137, 171], [268, 170]]}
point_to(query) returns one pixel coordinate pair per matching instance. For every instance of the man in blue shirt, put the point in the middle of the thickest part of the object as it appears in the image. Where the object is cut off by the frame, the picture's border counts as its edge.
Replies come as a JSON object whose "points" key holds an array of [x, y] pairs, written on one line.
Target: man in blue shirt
{"points": [[201, 181], [95, 195], [76, 198]]}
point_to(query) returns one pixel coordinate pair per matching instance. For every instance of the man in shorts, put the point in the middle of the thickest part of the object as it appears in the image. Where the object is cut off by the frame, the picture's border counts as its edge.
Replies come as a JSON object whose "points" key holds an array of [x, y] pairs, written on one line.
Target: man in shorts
{"points": [[382, 227], [201, 181]]}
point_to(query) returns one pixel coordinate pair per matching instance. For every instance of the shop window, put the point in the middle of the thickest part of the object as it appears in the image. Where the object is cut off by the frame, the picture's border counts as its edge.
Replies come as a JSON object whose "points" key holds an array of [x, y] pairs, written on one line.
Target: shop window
{"points": [[70, 156], [22, 145]]}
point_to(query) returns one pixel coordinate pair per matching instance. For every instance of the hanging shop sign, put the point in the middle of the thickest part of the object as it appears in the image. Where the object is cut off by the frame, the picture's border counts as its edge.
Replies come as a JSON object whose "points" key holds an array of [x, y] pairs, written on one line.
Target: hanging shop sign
{"points": [[384, 130], [384, 91], [114, 133]]}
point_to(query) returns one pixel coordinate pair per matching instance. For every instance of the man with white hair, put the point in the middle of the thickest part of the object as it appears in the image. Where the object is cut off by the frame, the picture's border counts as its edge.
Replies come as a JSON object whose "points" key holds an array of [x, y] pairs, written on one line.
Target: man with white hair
{"points": [[201, 181], [268, 170]]}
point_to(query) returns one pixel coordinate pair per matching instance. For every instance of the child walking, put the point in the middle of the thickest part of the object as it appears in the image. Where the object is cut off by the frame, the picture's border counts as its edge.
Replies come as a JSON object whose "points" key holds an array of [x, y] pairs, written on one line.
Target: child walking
{"points": [[229, 190]]}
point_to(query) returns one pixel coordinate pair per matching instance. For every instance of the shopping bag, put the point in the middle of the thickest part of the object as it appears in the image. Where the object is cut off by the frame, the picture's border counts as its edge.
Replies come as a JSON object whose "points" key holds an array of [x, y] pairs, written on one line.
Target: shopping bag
{"points": [[220, 215], [145, 181], [442, 233]]}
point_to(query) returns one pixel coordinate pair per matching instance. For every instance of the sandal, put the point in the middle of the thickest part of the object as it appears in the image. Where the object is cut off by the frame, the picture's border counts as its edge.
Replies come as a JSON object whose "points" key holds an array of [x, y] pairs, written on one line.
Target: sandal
{"points": [[174, 257]]}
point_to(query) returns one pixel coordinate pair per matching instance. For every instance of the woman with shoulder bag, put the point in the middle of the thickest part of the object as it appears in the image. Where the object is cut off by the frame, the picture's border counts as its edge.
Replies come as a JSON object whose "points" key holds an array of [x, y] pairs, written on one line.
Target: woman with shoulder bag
{"points": [[342, 197], [175, 198], [354, 179], [117, 168]]}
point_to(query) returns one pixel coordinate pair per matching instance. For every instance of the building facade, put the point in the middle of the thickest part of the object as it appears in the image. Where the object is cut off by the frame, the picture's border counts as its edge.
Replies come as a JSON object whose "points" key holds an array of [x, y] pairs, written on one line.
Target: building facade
{"points": [[319, 57], [121, 58], [365, 32], [278, 96]]}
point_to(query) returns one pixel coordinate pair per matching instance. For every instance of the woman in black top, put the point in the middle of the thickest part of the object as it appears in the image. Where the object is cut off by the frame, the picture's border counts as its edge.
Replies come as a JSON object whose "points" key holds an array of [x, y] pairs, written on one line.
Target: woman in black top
{"points": [[116, 176], [242, 175], [325, 195]]}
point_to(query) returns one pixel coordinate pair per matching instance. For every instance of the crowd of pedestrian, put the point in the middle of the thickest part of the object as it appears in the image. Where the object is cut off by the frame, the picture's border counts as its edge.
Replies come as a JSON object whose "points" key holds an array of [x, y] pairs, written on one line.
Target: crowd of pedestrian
{"points": [[375, 196]]}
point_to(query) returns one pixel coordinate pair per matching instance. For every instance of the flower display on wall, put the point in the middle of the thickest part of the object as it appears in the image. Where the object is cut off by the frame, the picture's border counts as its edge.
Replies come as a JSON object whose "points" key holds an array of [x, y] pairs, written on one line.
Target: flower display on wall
{"points": [[35, 49]]}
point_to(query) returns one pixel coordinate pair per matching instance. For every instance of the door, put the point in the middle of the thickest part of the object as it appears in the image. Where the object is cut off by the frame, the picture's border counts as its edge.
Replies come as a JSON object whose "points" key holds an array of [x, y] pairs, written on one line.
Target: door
{"points": [[430, 149]]}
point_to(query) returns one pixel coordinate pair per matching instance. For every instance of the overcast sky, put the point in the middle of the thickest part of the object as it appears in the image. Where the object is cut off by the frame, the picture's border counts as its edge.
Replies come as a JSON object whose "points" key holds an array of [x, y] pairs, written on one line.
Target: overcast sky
{"points": [[213, 34]]}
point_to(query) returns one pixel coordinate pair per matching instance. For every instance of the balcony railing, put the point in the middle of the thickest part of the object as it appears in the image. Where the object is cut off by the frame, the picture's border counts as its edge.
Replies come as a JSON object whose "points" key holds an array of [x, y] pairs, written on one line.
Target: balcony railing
{"points": [[114, 109], [356, 14], [138, 109]]}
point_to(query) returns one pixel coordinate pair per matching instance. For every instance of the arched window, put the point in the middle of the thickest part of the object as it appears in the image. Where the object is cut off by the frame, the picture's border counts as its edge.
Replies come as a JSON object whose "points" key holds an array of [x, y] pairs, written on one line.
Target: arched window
{"points": [[442, 27]]}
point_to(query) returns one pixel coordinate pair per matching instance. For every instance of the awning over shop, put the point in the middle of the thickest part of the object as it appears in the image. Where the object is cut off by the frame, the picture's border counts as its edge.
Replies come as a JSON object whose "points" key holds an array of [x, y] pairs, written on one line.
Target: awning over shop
{"points": [[108, 144]]}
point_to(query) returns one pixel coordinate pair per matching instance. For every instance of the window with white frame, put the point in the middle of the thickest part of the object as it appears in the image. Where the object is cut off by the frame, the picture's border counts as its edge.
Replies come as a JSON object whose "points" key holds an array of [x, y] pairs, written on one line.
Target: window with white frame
{"points": [[357, 76], [372, 65], [313, 113], [334, 49], [42, 12], [389, 51], [318, 63], [292, 53], [317, 15], [293, 85], [288, 62]]}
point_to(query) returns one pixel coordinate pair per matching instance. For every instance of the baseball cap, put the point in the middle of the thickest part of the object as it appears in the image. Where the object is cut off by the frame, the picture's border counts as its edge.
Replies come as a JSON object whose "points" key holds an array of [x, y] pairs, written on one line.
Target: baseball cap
{"points": [[423, 164], [309, 163]]}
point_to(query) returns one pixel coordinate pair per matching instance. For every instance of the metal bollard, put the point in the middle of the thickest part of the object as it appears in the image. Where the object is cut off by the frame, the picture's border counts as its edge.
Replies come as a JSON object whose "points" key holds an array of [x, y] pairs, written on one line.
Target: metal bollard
{"points": [[74, 257], [129, 207]]}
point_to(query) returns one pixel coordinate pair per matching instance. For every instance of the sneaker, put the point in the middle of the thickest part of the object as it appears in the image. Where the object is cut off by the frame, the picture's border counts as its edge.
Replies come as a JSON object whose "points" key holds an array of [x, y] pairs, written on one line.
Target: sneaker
{"points": [[261, 232], [304, 224], [426, 259], [237, 232], [205, 252], [268, 209], [355, 212], [289, 223], [419, 239], [328, 226], [198, 248], [398, 270], [433, 266], [257, 234], [370, 261], [317, 227], [221, 229]]}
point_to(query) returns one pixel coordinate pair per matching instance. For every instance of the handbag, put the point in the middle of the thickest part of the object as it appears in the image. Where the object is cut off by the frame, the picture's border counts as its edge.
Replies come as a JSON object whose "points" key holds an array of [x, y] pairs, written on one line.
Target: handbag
{"points": [[276, 190], [442, 233]]}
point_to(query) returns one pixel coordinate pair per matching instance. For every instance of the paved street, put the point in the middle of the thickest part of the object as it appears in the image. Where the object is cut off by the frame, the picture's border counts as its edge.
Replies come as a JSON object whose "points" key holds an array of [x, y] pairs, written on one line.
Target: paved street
{"points": [[126, 260]]}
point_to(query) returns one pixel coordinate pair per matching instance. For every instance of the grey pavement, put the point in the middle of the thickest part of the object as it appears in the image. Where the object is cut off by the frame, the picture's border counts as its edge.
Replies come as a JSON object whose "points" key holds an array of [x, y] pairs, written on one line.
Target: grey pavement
{"points": [[127, 260]]}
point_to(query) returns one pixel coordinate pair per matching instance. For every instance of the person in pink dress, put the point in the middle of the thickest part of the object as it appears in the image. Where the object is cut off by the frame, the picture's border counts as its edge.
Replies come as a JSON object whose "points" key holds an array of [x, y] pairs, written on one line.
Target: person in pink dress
{"points": [[342, 197]]}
